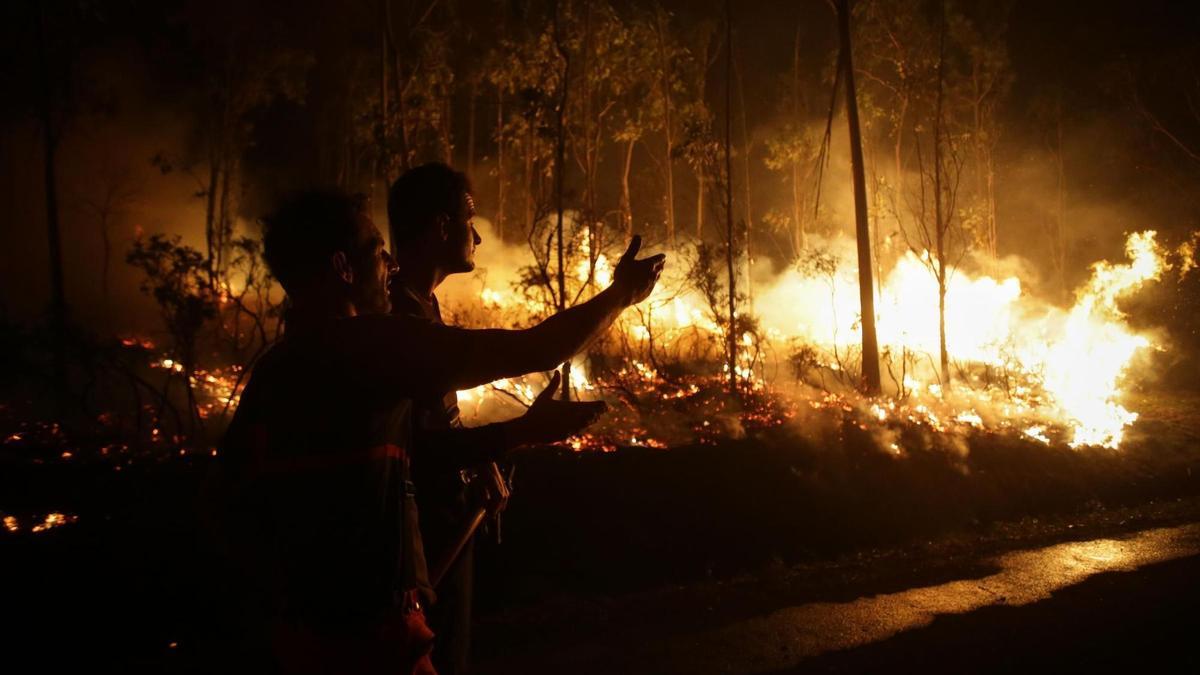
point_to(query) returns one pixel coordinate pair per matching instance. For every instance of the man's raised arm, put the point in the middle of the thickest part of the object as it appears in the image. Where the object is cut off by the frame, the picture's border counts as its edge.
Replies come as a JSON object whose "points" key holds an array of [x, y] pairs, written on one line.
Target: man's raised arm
{"points": [[423, 357]]}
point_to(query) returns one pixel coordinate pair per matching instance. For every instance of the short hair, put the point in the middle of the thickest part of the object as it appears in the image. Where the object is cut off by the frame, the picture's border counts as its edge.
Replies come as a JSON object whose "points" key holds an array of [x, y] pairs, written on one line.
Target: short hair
{"points": [[419, 195], [306, 230]]}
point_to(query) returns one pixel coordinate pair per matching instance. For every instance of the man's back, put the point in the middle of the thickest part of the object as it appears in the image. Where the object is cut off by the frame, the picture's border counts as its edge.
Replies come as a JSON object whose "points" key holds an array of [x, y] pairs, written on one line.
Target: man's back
{"points": [[317, 483]]}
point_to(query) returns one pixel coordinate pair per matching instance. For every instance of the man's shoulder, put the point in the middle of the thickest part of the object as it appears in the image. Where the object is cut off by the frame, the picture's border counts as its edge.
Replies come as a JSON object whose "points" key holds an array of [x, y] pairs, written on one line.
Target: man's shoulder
{"points": [[406, 303]]}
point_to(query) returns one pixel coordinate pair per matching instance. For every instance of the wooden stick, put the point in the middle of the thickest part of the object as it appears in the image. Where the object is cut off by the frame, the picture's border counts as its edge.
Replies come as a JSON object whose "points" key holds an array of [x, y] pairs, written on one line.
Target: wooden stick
{"points": [[468, 532]]}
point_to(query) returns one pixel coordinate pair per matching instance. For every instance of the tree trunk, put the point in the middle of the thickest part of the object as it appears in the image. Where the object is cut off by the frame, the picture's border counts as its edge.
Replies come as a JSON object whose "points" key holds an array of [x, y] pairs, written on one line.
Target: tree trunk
{"points": [[228, 209], [801, 238], [699, 206], [529, 176], [381, 163], [731, 243], [985, 167], [444, 131], [591, 151], [749, 211], [941, 219], [210, 214], [898, 147], [500, 185], [105, 261], [50, 141], [471, 129], [399, 78], [944, 355], [1059, 248], [560, 166], [870, 345], [665, 88], [626, 203]]}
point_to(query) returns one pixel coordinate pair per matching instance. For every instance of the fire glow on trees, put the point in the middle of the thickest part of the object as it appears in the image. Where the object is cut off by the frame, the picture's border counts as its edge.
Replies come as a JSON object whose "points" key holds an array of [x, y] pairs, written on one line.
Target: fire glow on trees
{"points": [[1059, 367], [1024, 365]]}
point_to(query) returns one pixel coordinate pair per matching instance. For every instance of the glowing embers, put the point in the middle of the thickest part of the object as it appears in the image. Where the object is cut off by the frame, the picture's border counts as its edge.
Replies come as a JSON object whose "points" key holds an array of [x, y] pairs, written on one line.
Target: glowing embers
{"points": [[216, 389], [49, 521]]}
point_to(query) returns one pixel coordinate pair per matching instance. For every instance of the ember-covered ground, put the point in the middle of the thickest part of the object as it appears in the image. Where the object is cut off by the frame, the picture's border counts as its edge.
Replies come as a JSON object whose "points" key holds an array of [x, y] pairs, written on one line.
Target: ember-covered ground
{"points": [[622, 548]]}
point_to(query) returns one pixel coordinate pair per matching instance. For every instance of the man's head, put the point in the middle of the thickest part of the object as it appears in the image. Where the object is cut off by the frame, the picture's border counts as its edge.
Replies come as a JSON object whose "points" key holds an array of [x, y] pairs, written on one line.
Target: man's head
{"points": [[430, 213], [322, 244]]}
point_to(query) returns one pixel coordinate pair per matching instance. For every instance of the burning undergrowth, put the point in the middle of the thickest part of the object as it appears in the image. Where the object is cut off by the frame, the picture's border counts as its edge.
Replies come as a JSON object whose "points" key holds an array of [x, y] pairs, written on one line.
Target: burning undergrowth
{"points": [[1020, 367], [1017, 365]]}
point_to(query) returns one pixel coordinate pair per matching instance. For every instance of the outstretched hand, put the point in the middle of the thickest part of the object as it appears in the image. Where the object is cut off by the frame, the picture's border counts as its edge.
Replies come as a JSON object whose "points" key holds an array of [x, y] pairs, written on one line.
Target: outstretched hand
{"points": [[634, 278], [549, 419]]}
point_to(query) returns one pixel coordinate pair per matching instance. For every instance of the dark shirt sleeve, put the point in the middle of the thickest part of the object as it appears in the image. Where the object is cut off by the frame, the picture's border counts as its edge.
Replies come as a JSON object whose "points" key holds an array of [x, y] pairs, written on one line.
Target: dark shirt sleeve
{"points": [[412, 356]]}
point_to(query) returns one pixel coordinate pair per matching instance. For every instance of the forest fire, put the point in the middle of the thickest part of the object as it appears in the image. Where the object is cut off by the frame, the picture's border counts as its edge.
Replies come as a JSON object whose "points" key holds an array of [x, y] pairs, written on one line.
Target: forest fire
{"points": [[1020, 364], [874, 294], [1014, 357]]}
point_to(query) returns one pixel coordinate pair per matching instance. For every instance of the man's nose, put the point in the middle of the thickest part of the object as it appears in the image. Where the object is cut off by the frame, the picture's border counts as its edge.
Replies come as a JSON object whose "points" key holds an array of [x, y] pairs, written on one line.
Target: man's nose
{"points": [[475, 234], [392, 266]]}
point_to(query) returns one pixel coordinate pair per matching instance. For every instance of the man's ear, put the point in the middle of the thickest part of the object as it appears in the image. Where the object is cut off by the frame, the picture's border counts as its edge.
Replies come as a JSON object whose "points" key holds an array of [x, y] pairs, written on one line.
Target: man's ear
{"points": [[441, 226], [342, 268]]}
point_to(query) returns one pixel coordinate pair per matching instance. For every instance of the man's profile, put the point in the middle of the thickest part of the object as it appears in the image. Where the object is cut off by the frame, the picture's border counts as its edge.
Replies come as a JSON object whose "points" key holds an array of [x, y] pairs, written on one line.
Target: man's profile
{"points": [[430, 215]]}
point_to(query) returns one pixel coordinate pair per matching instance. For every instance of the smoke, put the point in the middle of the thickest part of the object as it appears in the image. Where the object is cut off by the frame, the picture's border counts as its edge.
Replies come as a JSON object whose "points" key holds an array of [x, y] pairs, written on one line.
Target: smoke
{"points": [[497, 269], [106, 174]]}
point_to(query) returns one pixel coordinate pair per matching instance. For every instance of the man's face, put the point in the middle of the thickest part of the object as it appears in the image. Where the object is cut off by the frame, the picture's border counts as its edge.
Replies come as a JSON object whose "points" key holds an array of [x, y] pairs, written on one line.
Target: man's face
{"points": [[373, 266], [461, 238]]}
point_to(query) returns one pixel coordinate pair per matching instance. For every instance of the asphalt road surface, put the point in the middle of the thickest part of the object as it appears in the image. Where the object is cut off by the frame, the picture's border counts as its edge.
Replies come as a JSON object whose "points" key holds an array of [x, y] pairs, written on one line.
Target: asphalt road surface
{"points": [[1117, 603]]}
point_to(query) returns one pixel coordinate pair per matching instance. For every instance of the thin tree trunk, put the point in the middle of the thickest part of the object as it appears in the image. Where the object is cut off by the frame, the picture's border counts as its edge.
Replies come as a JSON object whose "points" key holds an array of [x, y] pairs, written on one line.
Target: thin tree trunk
{"points": [[591, 130], [471, 128], [993, 225], [731, 243], [985, 167], [1060, 212], [898, 147], [50, 141], [801, 237], [876, 233], [529, 176], [749, 224], [445, 130], [626, 203], [940, 218], [105, 262], [401, 86], [382, 158], [870, 344], [210, 214], [501, 193], [665, 88], [228, 206], [560, 166]]}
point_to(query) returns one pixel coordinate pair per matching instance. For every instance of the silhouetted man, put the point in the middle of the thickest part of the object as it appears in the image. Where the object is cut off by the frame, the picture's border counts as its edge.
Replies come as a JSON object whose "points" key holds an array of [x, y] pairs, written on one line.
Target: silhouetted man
{"points": [[319, 503], [430, 212]]}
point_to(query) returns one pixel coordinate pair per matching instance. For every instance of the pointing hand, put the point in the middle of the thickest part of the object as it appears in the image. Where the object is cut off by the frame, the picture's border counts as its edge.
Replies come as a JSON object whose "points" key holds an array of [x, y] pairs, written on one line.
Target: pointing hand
{"points": [[634, 278]]}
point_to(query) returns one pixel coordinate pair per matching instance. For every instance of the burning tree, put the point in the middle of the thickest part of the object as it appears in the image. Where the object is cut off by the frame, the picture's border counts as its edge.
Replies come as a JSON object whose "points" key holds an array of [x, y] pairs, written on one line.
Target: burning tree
{"points": [[939, 78], [936, 234], [177, 277]]}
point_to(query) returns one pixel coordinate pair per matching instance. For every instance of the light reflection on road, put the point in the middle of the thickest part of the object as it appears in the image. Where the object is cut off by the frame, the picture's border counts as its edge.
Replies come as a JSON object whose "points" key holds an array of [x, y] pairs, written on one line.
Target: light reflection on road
{"points": [[785, 637]]}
